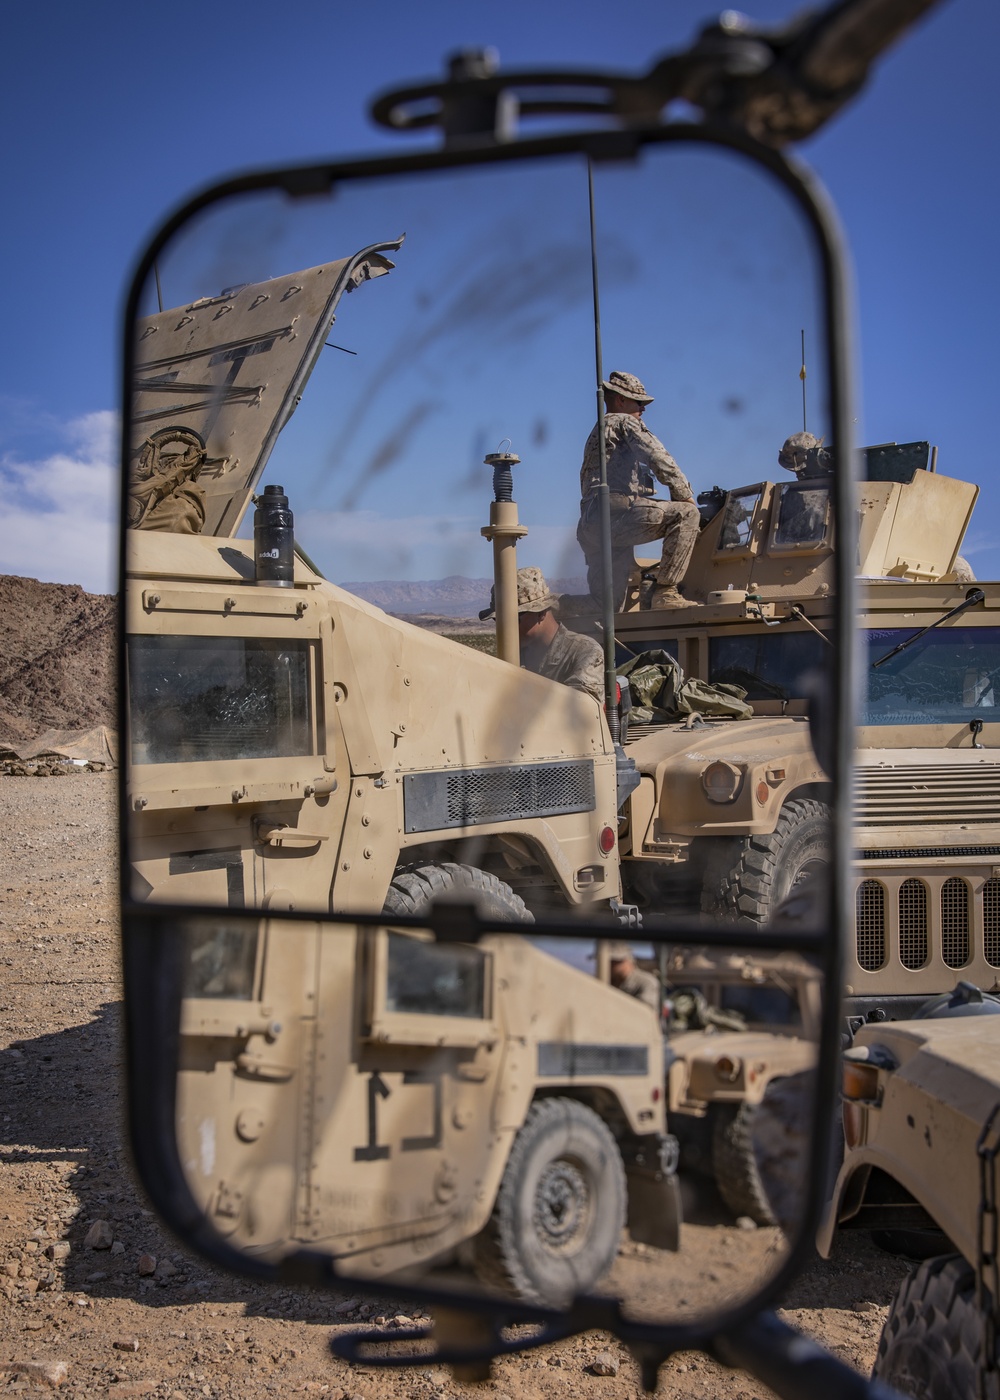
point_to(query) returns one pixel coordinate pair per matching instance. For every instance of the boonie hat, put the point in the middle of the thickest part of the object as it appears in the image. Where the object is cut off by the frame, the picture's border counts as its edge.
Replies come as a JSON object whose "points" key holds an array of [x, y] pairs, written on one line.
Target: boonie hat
{"points": [[618, 382], [533, 594]]}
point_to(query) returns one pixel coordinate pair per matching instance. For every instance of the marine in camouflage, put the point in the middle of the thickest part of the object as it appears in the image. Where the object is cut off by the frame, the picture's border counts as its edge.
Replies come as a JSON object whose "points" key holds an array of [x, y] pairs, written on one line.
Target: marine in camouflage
{"points": [[570, 658], [636, 459]]}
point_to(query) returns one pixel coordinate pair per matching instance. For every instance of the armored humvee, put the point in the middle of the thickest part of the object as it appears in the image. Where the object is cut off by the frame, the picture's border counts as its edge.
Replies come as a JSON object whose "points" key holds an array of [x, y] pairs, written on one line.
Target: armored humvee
{"points": [[927, 814], [922, 1161], [293, 747], [741, 1031]]}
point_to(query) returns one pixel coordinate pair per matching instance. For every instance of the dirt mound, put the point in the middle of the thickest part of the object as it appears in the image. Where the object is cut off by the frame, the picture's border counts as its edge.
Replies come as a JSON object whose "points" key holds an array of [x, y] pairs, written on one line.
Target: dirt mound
{"points": [[56, 658]]}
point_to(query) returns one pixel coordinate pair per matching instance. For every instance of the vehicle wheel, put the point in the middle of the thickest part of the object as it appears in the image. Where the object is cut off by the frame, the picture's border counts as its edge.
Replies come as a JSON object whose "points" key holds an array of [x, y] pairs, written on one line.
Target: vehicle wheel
{"points": [[414, 887], [734, 1162], [746, 878], [932, 1345], [559, 1213]]}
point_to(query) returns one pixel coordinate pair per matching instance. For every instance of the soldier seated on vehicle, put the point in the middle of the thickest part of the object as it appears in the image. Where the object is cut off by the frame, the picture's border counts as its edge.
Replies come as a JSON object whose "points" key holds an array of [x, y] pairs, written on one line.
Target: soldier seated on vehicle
{"points": [[634, 461], [629, 978], [547, 647]]}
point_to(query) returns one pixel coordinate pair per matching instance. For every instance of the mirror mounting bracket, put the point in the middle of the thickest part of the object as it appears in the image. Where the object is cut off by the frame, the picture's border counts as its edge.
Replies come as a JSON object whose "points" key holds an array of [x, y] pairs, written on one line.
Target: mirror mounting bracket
{"points": [[775, 85]]}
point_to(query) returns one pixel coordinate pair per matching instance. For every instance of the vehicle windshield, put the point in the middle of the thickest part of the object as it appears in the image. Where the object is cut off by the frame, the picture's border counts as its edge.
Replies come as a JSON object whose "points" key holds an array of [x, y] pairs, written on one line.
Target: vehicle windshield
{"points": [[218, 698], [951, 675], [768, 665]]}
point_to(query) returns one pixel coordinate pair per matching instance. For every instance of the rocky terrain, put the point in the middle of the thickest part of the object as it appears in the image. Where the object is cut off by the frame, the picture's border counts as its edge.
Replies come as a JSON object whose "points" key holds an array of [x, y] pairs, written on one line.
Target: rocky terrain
{"points": [[97, 1300], [56, 658]]}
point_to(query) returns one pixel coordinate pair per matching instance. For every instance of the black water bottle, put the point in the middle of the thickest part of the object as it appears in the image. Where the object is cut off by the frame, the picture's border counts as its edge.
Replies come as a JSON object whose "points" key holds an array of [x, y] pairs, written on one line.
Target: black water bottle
{"points": [[273, 539]]}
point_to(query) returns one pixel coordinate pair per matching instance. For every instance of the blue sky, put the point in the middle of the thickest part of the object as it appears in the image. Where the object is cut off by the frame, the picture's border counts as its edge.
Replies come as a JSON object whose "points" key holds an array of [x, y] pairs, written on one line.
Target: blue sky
{"points": [[113, 113]]}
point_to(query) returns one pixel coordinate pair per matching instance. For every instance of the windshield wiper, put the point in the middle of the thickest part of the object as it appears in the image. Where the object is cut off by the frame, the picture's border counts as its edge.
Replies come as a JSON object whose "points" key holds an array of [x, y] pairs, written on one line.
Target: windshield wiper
{"points": [[976, 596]]}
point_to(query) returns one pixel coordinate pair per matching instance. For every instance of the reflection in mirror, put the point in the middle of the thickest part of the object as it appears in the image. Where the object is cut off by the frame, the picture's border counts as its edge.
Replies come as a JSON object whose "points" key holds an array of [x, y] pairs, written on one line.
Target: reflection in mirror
{"points": [[398, 369], [523, 1115]]}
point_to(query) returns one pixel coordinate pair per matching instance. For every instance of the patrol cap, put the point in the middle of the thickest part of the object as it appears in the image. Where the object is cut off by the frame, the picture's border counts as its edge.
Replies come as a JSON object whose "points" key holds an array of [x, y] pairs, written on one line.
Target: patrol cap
{"points": [[533, 594], [618, 382], [793, 451]]}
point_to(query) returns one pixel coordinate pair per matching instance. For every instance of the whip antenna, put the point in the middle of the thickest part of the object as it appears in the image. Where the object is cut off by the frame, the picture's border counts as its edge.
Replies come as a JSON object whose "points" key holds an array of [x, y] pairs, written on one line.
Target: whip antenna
{"points": [[802, 376], [603, 499]]}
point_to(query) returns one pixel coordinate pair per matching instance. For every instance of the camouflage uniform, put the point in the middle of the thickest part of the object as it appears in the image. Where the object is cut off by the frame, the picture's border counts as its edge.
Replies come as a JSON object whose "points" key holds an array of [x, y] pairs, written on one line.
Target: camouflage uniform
{"points": [[571, 659], [644, 987], [634, 457], [641, 985]]}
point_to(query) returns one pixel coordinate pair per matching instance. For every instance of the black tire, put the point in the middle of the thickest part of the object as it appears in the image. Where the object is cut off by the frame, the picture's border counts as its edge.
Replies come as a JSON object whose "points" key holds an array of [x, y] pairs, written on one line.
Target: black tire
{"points": [[558, 1217], [414, 887], [747, 877], [734, 1163], [932, 1344]]}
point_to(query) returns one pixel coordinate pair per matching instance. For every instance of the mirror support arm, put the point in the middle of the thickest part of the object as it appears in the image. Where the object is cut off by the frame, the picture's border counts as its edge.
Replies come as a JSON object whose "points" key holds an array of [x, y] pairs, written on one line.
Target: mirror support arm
{"points": [[792, 1365], [776, 85]]}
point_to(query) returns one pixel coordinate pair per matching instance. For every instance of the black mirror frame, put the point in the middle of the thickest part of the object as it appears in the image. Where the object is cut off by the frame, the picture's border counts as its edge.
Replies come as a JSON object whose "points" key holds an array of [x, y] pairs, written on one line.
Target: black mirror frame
{"points": [[150, 947]]}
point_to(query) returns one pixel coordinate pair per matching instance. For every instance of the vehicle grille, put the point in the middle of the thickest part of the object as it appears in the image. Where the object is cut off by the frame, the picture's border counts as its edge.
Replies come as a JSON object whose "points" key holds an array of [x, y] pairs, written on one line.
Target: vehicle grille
{"points": [[913, 923], [927, 852], [991, 921], [932, 921], [871, 925], [955, 923], [922, 795], [470, 796]]}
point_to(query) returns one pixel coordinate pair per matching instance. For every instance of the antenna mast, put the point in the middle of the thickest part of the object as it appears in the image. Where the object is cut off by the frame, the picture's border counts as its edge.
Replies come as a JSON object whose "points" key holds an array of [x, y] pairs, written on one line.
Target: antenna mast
{"points": [[603, 499], [802, 376]]}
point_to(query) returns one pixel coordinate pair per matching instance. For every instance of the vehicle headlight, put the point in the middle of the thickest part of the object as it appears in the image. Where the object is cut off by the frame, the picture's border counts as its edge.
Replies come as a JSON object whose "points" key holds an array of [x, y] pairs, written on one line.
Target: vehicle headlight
{"points": [[721, 781]]}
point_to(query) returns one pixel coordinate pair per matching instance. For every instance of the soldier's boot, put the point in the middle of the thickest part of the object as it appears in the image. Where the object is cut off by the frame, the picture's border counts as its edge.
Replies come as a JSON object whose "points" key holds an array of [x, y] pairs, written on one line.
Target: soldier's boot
{"points": [[668, 595]]}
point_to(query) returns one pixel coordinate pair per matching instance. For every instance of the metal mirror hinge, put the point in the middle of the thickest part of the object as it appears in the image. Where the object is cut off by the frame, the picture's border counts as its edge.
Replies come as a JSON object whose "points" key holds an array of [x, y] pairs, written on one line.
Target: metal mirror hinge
{"points": [[988, 1262]]}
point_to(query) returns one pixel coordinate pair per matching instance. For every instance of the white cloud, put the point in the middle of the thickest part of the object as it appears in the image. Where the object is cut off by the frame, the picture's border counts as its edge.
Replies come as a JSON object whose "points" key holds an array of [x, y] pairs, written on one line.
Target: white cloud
{"points": [[60, 511]]}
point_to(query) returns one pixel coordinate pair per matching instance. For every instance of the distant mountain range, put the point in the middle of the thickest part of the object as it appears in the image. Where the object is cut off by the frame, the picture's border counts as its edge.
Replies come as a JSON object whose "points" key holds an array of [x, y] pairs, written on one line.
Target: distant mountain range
{"points": [[448, 597]]}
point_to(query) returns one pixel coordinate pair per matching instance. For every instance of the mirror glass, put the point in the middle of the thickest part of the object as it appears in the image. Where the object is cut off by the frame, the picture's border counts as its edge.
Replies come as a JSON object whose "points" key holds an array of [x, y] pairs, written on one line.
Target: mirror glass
{"points": [[507, 1116], [352, 413]]}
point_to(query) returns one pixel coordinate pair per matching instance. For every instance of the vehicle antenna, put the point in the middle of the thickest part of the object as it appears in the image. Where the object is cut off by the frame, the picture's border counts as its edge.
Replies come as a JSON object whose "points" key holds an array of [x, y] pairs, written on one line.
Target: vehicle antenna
{"points": [[802, 376], [603, 499], [159, 293], [330, 346]]}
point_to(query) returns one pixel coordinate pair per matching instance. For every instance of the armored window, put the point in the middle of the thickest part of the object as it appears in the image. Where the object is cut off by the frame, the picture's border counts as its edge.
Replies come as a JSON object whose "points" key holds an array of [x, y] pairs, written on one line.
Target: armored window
{"points": [[202, 698], [955, 922], [870, 925], [949, 676], [736, 529], [803, 514], [913, 947], [991, 921], [435, 979], [770, 665], [220, 961]]}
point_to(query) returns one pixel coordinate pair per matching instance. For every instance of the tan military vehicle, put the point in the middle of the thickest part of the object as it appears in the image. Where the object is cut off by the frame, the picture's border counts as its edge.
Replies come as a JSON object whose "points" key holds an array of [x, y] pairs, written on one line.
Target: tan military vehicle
{"points": [[927, 817], [922, 1135], [363, 1060], [293, 747], [927, 882], [741, 1036]]}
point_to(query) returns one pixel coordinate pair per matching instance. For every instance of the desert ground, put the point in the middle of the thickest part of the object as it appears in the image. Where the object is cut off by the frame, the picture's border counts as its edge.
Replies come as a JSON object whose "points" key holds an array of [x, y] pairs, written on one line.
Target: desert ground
{"points": [[96, 1300]]}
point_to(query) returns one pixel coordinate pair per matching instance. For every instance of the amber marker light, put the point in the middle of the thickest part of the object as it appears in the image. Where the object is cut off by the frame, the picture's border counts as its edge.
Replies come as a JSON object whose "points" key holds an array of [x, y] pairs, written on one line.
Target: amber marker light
{"points": [[860, 1081]]}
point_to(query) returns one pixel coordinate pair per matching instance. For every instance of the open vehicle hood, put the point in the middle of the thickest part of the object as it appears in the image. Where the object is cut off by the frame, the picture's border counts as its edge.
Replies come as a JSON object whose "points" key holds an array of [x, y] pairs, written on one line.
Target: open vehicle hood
{"points": [[232, 368]]}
